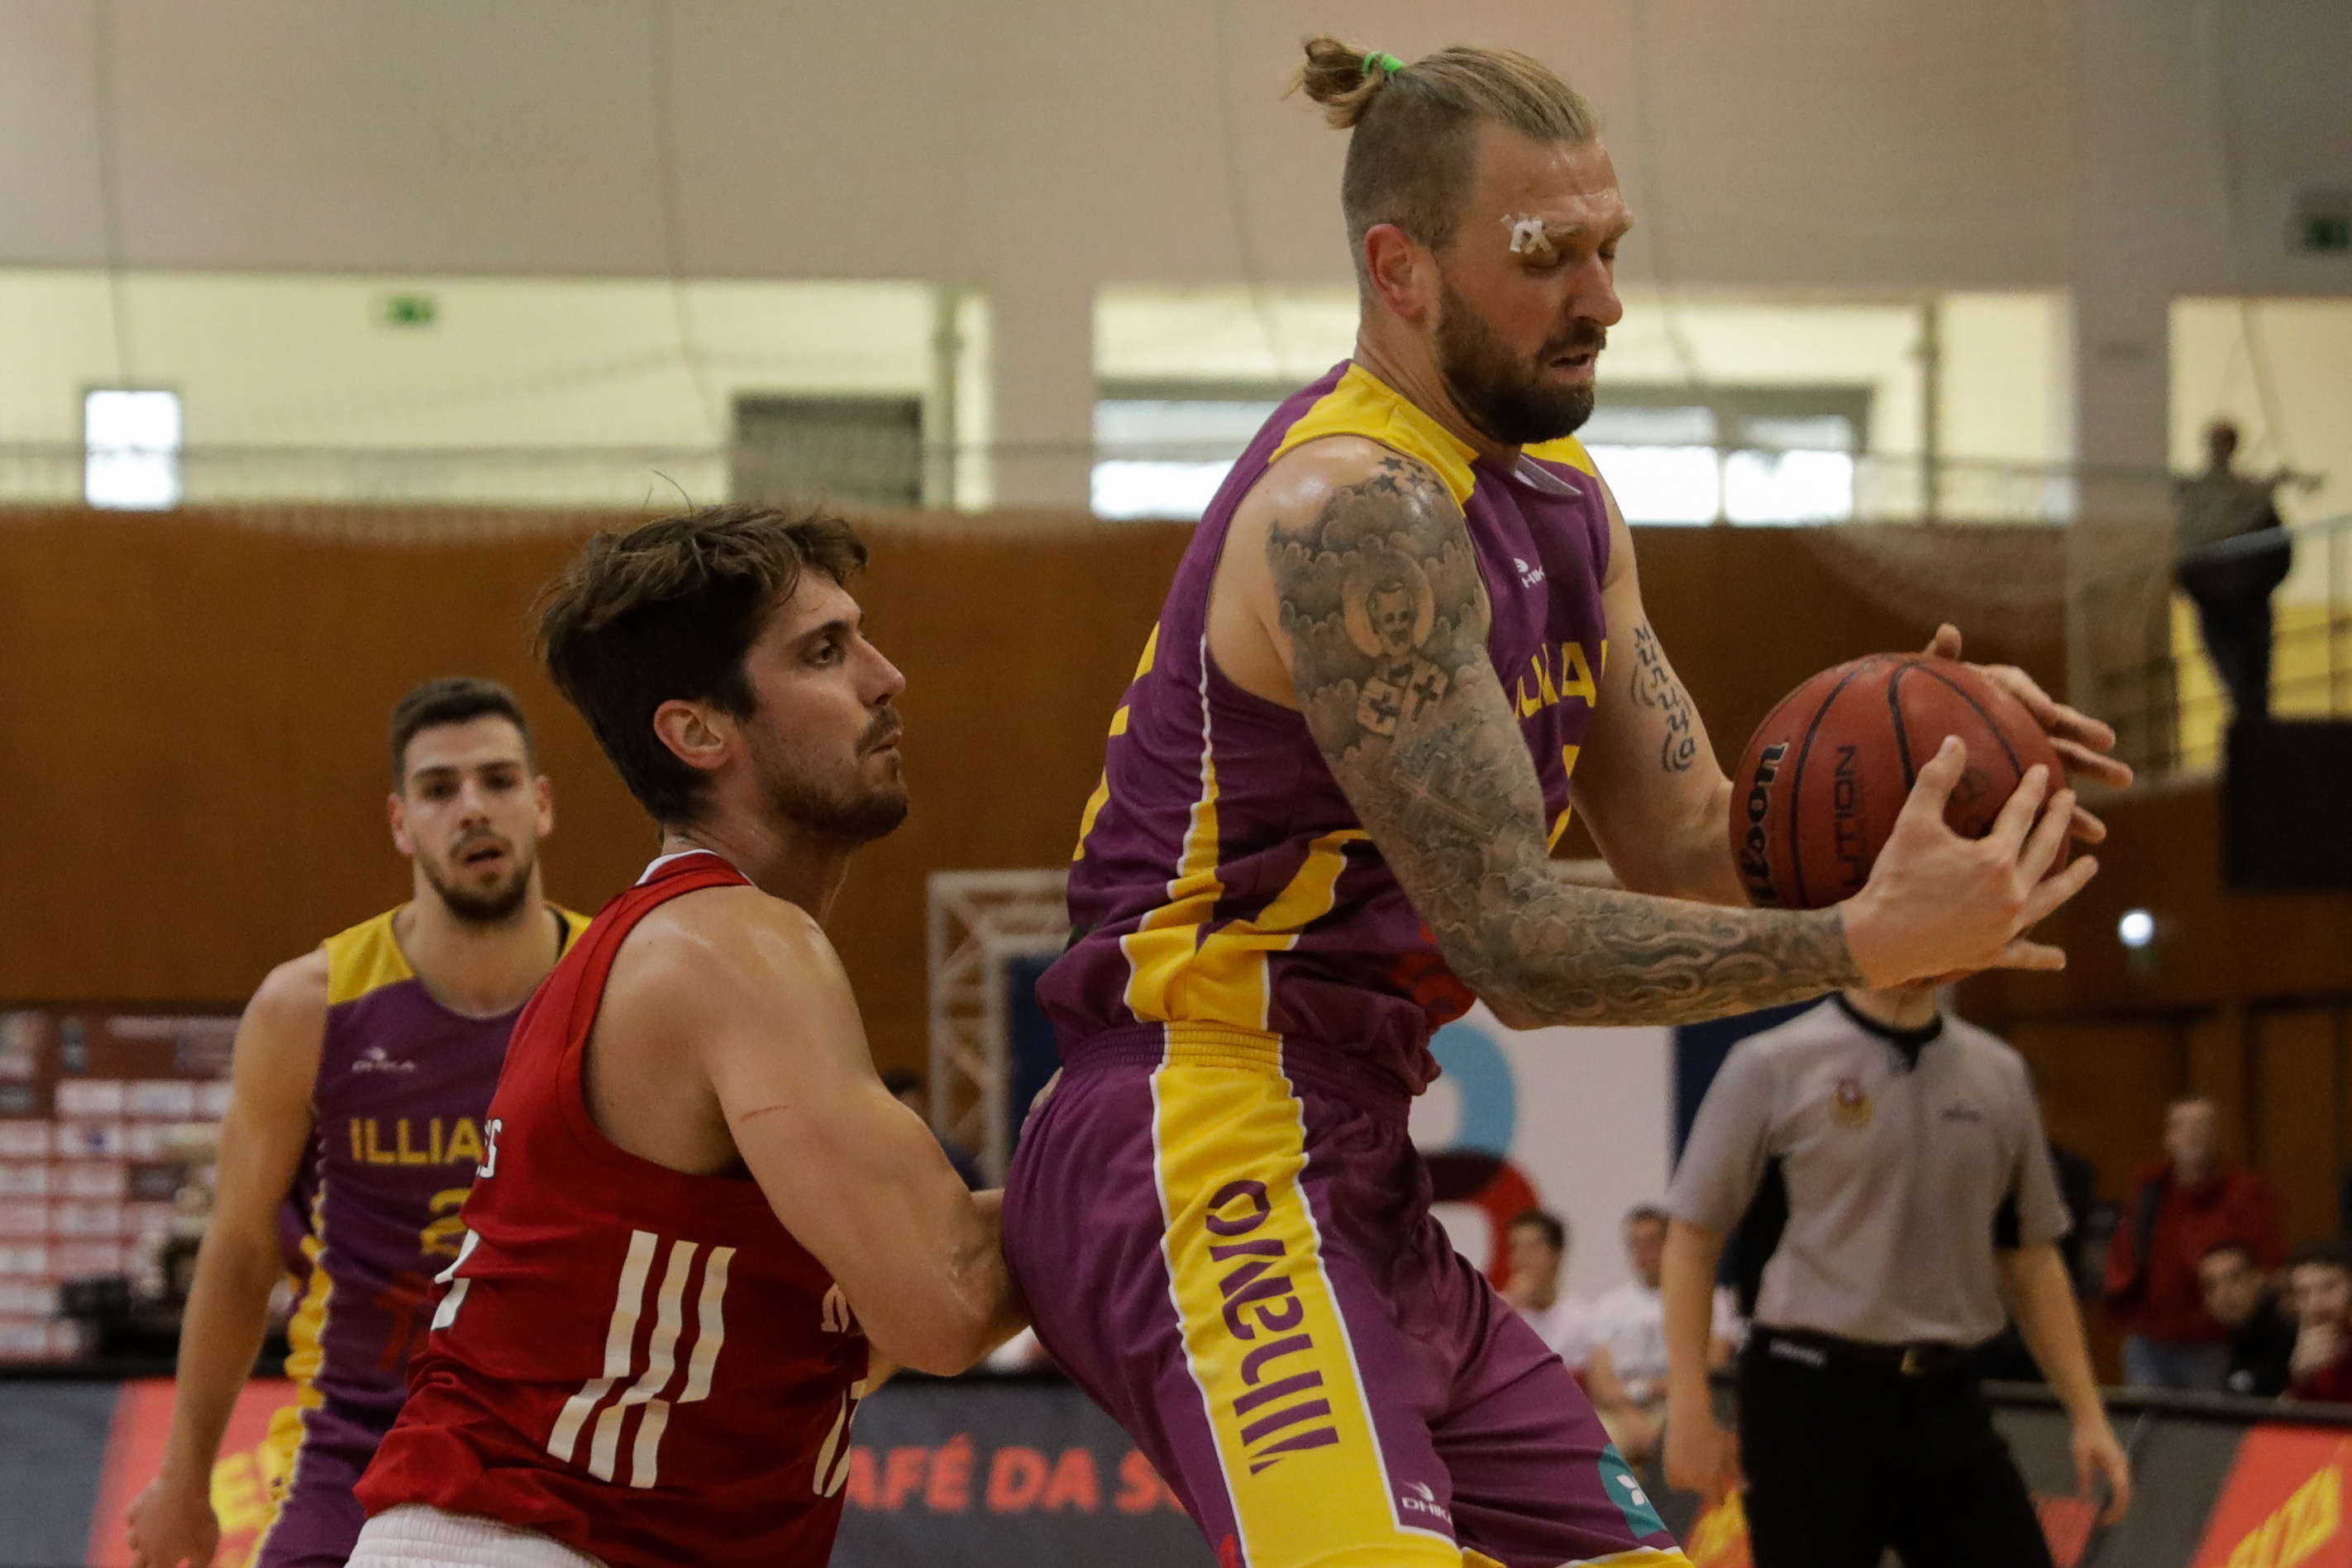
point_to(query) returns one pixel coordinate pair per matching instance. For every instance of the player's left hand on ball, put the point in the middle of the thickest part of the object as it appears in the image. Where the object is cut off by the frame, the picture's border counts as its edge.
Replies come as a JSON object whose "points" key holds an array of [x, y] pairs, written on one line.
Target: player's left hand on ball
{"points": [[2098, 1454], [2082, 742]]}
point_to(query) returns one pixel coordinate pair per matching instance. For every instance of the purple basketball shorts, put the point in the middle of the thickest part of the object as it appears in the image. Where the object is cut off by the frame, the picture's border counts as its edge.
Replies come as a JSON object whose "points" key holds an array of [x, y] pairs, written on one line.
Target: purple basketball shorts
{"points": [[1227, 1241]]}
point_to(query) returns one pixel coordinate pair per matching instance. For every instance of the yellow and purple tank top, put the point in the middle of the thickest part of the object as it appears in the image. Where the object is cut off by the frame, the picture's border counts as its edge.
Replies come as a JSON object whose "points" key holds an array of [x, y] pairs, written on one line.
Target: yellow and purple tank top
{"points": [[398, 1113], [1223, 890]]}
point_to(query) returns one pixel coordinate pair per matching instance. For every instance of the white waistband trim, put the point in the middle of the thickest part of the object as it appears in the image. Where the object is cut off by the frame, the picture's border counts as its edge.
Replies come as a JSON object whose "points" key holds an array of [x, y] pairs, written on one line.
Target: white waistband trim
{"points": [[417, 1535]]}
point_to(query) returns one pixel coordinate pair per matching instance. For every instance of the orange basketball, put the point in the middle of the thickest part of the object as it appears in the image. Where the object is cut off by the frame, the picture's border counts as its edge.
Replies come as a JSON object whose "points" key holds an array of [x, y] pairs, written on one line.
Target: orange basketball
{"points": [[1827, 772]]}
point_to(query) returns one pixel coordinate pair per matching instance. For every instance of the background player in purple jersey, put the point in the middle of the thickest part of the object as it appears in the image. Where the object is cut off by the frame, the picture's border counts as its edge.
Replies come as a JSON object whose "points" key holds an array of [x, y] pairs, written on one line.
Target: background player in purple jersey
{"points": [[363, 1070], [1406, 639]]}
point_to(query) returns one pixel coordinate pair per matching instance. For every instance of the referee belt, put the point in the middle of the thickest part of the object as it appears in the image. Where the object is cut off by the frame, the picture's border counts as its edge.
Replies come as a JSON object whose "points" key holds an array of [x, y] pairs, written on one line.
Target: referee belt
{"points": [[1822, 1350]]}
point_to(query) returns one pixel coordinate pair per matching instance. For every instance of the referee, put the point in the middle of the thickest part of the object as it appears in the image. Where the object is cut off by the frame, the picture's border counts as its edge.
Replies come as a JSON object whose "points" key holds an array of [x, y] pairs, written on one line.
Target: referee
{"points": [[1900, 1158]]}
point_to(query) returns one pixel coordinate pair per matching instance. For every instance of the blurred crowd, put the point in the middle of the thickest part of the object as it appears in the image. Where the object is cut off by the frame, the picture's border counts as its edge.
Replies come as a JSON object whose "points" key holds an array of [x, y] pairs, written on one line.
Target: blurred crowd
{"points": [[2209, 1294], [2193, 1268]]}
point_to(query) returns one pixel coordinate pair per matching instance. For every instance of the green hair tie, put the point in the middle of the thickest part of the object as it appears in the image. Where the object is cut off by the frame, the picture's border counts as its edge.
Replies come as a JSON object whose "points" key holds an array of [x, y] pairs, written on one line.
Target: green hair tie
{"points": [[1388, 63]]}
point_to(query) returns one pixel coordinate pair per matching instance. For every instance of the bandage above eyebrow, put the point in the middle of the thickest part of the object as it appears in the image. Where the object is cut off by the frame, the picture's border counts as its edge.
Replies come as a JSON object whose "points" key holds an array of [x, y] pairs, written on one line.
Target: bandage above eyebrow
{"points": [[1529, 237]]}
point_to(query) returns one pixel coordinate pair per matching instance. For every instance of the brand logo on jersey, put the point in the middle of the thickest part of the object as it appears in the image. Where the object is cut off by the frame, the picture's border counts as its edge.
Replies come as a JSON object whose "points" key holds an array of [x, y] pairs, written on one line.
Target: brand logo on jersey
{"points": [[410, 1146], [1851, 1104], [1259, 1299], [836, 1314], [1421, 1498], [376, 1058], [1528, 575], [1961, 1113]]}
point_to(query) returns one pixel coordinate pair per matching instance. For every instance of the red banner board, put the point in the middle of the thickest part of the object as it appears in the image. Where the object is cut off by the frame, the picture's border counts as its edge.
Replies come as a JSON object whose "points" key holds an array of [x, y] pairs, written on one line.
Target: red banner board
{"points": [[2283, 1506], [248, 1463], [1718, 1539]]}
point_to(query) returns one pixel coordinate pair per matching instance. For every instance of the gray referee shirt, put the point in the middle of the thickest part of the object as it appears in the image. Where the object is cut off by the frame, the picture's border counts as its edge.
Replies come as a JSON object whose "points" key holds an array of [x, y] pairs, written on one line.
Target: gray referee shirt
{"points": [[1907, 1157]]}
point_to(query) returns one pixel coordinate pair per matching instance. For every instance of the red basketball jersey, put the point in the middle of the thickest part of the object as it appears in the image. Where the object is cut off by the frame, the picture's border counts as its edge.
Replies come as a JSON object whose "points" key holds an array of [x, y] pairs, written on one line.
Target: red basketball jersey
{"points": [[642, 1364]]}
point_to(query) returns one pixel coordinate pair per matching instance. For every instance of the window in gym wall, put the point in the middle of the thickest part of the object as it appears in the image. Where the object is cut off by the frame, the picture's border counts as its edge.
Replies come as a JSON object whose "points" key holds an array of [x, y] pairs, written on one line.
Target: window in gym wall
{"points": [[131, 446], [1747, 454], [1162, 448], [841, 450]]}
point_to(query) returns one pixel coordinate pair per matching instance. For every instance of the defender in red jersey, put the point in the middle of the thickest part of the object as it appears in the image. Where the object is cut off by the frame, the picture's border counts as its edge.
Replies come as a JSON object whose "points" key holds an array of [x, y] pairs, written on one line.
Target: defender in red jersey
{"points": [[363, 1073], [704, 1228]]}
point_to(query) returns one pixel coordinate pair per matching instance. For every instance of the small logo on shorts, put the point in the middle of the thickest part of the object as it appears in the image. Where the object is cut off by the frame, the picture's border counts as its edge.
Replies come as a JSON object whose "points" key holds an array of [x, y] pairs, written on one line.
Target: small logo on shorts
{"points": [[1529, 575], [1426, 1502], [1851, 1104]]}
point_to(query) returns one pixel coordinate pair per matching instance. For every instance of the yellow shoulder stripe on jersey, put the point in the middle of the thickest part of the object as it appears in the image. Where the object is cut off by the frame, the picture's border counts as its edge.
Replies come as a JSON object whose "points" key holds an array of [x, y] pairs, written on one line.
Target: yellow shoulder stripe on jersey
{"points": [[1568, 449], [367, 958], [1362, 404]]}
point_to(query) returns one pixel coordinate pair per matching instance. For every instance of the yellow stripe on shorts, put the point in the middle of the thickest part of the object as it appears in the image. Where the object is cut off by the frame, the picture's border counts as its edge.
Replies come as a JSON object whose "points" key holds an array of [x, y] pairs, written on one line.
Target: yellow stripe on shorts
{"points": [[1263, 1333]]}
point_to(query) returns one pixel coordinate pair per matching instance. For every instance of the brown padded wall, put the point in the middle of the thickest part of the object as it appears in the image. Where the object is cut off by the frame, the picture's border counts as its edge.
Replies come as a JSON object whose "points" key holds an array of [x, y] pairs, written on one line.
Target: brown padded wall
{"points": [[192, 712]]}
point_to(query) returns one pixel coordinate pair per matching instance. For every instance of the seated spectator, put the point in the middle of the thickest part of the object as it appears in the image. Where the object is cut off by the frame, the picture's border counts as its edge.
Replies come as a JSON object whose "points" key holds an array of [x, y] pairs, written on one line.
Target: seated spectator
{"points": [[1628, 1325], [1538, 1244], [2193, 1201], [2319, 1276], [2243, 1300]]}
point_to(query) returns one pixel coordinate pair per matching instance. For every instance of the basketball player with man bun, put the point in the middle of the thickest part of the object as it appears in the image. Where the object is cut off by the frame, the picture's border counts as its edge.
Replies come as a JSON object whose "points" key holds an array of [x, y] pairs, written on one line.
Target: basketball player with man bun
{"points": [[699, 1203], [1408, 635], [363, 1073]]}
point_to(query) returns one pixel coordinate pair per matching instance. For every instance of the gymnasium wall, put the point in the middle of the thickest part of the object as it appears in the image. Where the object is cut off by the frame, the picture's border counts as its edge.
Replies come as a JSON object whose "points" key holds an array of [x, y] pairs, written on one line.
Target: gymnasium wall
{"points": [[196, 772], [2245, 997]]}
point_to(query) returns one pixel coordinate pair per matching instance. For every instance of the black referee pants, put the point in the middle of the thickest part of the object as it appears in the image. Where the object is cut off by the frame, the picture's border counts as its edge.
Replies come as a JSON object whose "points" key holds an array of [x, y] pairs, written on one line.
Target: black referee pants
{"points": [[1844, 1462]]}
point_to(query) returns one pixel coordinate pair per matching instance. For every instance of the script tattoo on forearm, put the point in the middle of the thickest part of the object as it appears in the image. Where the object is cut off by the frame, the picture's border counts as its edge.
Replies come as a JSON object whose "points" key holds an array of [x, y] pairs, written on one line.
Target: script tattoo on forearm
{"points": [[1382, 600], [1654, 686]]}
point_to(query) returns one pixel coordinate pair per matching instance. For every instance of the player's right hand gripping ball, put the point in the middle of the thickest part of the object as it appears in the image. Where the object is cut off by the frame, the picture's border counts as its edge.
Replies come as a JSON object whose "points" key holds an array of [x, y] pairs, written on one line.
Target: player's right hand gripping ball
{"points": [[1828, 771]]}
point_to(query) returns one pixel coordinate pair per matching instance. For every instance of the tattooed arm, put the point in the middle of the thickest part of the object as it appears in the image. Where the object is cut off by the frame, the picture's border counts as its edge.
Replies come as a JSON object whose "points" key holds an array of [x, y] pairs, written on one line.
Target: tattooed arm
{"points": [[1364, 587], [1647, 785]]}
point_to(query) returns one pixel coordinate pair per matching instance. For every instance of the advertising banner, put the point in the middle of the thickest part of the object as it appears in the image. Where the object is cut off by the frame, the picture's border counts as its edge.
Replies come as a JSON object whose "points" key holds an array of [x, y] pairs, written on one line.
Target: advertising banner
{"points": [[1027, 1473], [1576, 1121], [243, 1476], [2283, 1506]]}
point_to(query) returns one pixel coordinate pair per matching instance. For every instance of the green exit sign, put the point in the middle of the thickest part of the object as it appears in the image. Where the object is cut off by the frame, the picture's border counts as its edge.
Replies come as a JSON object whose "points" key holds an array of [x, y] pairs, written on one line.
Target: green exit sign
{"points": [[2322, 224], [408, 310], [2323, 231]]}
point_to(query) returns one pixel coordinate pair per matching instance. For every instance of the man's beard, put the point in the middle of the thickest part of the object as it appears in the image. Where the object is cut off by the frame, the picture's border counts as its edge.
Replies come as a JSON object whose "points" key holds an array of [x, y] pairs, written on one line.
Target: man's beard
{"points": [[852, 813], [1503, 397], [484, 906]]}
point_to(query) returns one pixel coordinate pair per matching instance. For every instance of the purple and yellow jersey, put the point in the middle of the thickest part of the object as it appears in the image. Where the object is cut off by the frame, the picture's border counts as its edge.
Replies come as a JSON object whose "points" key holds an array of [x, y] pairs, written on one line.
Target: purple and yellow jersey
{"points": [[1223, 891], [403, 1089]]}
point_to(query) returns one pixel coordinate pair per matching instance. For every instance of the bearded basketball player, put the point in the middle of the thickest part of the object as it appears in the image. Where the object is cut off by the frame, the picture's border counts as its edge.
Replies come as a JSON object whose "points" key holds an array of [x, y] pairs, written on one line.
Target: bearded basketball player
{"points": [[704, 1228], [1406, 636], [362, 1079]]}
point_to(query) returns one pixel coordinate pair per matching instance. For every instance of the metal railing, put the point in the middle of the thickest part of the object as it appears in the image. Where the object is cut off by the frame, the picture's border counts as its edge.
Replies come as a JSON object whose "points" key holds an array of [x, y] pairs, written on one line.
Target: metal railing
{"points": [[1885, 486], [2155, 679]]}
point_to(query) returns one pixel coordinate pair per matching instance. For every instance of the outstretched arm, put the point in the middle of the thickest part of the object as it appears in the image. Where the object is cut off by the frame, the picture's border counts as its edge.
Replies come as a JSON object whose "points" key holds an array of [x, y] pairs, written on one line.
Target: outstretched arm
{"points": [[1701, 1457], [853, 1174], [2042, 1297], [1381, 622], [272, 1073]]}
